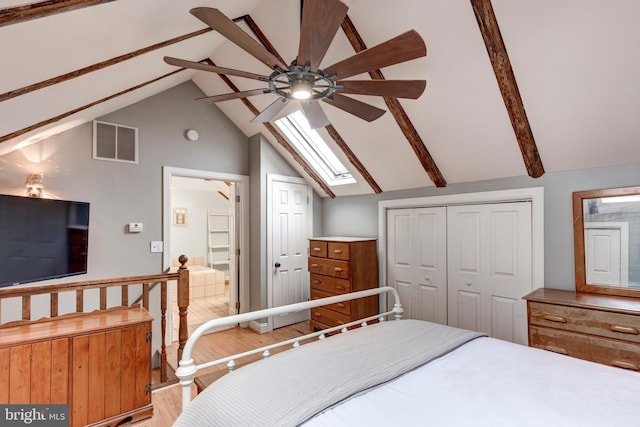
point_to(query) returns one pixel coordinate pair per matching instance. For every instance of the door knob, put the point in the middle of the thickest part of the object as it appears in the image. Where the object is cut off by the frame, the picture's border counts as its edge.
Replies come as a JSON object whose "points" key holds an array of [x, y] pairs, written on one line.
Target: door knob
{"points": [[277, 264]]}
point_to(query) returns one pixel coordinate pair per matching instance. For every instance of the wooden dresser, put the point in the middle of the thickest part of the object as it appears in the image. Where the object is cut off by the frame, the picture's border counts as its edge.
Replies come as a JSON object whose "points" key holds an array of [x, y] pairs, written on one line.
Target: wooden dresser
{"points": [[338, 265], [98, 363], [600, 328]]}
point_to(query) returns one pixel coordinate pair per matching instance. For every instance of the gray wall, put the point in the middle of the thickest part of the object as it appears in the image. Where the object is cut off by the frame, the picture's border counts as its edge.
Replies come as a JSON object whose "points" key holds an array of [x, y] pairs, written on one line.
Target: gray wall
{"points": [[358, 216], [263, 159], [121, 193]]}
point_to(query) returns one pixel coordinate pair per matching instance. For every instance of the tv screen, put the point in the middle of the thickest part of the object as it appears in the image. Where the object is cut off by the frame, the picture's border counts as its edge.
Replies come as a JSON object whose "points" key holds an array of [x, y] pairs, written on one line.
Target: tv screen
{"points": [[42, 239]]}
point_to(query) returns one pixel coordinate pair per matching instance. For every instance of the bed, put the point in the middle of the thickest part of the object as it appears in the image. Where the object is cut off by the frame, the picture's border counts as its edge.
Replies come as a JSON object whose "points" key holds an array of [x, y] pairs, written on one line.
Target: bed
{"points": [[404, 373]]}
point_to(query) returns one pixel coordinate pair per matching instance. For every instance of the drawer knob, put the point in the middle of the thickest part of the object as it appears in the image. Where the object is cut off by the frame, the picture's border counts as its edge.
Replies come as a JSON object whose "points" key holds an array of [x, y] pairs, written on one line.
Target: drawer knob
{"points": [[316, 249], [341, 305], [337, 251], [555, 349], [625, 365], [337, 269], [316, 282], [340, 287], [624, 329], [317, 314], [314, 265], [554, 318]]}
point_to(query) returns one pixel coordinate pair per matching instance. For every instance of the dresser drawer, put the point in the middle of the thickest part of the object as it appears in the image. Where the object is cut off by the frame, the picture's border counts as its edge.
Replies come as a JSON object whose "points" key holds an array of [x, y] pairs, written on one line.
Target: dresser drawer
{"points": [[594, 322], [330, 267], [338, 250], [318, 248], [340, 307], [330, 284], [329, 317], [596, 349]]}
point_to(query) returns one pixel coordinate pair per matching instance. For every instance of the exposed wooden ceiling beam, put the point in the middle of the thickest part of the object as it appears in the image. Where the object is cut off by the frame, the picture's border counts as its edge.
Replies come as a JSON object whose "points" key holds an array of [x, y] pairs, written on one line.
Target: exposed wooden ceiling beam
{"points": [[398, 113], [77, 110], [97, 66], [353, 158], [16, 14], [508, 86]]}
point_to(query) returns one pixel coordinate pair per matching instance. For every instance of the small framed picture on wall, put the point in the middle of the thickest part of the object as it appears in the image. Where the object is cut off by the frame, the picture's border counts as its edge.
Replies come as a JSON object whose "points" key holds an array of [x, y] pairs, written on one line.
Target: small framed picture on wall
{"points": [[180, 217]]}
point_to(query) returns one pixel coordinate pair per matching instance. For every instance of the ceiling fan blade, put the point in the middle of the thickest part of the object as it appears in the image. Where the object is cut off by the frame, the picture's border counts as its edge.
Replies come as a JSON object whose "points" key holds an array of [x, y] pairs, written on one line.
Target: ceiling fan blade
{"points": [[233, 95], [353, 106], [314, 114], [212, 68], [405, 47], [411, 89], [321, 19], [270, 112], [225, 26]]}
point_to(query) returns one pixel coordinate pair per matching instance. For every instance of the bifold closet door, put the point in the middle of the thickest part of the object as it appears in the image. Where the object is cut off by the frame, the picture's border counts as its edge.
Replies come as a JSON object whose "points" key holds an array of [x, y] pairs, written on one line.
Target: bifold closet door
{"points": [[417, 261], [490, 268]]}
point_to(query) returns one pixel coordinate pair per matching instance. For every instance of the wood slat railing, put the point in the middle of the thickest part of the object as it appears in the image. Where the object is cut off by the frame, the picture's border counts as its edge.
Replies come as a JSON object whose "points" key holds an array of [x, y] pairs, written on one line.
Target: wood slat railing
{"points": [[148, 282]]}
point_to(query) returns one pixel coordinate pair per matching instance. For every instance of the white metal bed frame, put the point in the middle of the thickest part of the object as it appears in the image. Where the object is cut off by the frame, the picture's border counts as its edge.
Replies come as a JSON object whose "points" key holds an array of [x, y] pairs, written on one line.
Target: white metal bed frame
{"points": [[187, 369]]}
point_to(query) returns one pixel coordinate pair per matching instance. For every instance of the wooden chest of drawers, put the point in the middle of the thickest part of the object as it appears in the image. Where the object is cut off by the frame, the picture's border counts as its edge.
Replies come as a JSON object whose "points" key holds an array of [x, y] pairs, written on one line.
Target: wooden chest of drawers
{"points": [[600, 328], [338, 265]]}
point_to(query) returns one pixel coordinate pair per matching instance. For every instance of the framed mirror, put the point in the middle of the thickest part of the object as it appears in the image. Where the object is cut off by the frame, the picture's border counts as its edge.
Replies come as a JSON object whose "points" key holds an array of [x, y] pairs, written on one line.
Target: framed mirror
{"points": [[606, 232]]}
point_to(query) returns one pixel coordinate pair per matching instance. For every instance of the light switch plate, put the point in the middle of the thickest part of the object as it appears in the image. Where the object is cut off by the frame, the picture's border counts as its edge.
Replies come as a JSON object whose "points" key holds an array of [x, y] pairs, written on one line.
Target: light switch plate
{"points": [[157, 246]]}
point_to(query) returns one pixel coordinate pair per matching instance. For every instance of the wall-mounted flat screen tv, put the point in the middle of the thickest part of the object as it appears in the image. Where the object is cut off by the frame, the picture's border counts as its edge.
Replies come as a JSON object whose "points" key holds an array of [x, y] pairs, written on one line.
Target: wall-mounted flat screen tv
{"points": [[42, 239]]}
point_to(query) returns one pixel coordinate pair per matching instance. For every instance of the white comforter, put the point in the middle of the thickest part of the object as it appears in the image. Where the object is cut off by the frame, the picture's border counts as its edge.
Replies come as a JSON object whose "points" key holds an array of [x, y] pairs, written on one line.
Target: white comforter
{"points": [[488, 382]]}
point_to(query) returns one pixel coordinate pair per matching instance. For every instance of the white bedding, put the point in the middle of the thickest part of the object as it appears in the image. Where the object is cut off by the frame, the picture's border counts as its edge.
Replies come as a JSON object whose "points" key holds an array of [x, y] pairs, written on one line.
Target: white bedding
{"points": [[485, 382], [488, 382]]}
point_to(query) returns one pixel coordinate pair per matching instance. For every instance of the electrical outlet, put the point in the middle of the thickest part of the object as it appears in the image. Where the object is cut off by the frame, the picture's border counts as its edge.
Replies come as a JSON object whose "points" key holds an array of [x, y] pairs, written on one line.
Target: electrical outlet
{"points": [[157, 246], [135, 227]]}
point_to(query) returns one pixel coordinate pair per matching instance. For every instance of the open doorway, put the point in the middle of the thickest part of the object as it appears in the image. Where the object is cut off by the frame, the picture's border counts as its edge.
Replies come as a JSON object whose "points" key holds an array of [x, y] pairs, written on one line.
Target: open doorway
{"points": [[203, 219]]}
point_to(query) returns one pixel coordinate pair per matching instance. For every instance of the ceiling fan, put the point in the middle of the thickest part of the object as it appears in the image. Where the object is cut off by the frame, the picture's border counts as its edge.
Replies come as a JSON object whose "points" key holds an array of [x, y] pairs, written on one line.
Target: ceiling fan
{"points": [[303, 80]]}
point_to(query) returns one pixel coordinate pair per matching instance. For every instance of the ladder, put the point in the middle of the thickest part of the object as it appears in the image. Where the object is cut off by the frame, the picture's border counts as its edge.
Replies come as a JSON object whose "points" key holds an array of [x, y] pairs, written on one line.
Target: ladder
{"points": [[218, 235]]}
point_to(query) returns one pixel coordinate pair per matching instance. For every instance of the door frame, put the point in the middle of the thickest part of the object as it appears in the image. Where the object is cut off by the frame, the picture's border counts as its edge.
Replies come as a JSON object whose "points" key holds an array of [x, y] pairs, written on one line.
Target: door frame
{"points": [[271, 178], [535, 195], [169, 172]]}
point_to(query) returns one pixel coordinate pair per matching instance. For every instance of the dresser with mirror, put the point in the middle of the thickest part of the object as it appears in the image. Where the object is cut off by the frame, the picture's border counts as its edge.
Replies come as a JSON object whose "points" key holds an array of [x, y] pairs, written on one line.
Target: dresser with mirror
{"points": [[600, 321]]}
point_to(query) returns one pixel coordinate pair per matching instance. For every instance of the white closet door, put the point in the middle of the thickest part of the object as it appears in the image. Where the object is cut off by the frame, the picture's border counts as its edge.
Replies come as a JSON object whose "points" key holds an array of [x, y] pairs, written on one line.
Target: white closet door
{"points": [[490, 268], [417, 261]]}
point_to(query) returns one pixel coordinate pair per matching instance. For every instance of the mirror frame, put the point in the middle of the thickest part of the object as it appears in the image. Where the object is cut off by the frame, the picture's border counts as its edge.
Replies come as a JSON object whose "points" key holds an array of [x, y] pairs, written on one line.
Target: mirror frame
{"points": [[578, 241]]}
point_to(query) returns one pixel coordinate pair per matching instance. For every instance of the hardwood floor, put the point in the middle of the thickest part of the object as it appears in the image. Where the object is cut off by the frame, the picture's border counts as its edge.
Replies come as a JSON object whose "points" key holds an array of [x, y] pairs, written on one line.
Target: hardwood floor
{"points": [[166, 401]]}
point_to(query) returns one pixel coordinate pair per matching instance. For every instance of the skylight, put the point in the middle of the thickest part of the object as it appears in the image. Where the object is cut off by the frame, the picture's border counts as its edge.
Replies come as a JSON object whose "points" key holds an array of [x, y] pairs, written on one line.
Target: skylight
{"points": [[313, 148]]}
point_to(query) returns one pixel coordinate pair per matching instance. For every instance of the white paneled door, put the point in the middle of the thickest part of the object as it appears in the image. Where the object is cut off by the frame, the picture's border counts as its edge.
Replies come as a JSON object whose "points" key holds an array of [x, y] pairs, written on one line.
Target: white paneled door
{"points": [[417, 261], [607, 253], [290, 280], [490, 268]]}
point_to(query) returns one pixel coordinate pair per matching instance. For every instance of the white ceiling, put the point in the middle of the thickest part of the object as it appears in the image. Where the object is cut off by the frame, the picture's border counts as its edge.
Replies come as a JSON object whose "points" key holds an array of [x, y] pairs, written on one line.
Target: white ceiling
{"points": [[576, 63]]}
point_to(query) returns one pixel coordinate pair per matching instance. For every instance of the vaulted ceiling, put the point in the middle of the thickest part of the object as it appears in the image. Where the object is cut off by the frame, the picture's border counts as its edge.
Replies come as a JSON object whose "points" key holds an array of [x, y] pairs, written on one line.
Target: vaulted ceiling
{"points": [[514, 87]]}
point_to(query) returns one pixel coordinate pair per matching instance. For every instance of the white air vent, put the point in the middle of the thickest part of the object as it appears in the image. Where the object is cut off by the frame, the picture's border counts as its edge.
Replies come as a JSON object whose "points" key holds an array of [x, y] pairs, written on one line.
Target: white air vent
{"points": [[115, 142]]}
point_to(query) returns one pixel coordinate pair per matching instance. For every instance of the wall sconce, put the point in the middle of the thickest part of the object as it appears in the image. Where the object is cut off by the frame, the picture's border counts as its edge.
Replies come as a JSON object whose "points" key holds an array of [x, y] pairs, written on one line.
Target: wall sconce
{"points": [[34, 185]]}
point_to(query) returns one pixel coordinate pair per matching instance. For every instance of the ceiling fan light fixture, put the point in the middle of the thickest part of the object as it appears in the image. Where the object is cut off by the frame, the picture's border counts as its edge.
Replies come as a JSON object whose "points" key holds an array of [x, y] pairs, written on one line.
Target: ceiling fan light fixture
{"points": [[301, 89]]}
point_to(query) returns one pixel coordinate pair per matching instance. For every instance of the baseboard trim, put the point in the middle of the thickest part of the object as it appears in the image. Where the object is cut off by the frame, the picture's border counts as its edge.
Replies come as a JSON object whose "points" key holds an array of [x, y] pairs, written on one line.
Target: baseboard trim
{"points": [[260, 327]]}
